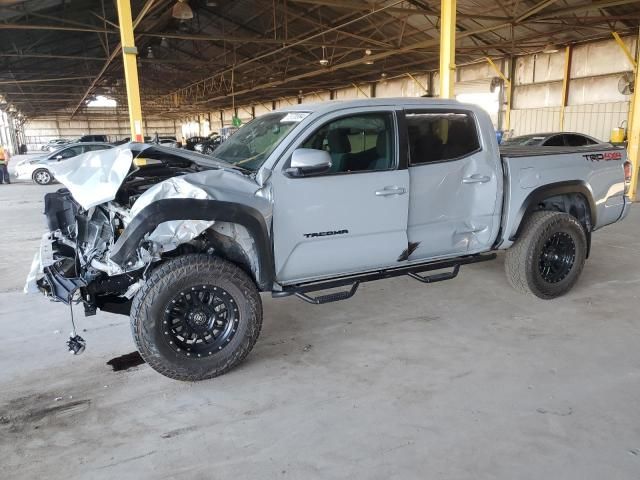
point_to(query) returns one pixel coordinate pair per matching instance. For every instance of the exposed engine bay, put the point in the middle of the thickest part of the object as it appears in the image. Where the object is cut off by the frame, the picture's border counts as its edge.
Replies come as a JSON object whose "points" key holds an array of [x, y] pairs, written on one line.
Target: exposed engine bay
{"points": [[76, 261]]}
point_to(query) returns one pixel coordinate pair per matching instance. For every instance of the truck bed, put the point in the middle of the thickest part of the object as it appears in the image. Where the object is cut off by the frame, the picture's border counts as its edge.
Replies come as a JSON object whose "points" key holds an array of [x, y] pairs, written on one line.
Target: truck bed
{"points": [[596, 170]]}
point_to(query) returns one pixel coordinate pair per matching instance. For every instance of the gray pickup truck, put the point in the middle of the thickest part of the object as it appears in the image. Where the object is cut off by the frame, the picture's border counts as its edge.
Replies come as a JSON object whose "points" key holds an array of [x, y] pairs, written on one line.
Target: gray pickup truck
{"points": [[308, 199]]}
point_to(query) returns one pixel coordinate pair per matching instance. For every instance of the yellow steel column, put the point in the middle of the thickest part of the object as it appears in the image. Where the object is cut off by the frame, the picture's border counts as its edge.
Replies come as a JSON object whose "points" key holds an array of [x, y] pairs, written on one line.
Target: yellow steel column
{"points": [[447, 47], [129, 54], [565, 84], [633, 135]]}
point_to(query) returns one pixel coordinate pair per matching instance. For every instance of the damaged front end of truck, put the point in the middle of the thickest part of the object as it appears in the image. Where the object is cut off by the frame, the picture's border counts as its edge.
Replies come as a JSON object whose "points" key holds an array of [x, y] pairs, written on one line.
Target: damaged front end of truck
{"points": [[124, 211]]}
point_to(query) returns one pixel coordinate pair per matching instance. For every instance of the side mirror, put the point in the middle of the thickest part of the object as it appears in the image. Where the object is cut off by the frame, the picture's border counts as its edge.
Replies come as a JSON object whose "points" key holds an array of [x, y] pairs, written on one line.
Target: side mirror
{"points": [[58, 157], [306, 161]]}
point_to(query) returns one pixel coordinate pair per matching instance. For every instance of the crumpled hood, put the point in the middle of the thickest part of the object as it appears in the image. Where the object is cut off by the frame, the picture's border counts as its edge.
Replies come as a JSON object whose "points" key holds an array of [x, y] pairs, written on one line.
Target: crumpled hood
{"points": [[94, 177]]}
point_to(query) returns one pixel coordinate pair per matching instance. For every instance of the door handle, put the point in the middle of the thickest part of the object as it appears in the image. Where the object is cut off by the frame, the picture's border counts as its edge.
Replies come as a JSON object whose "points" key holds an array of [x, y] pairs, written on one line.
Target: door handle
{"points": [[476, 178], [391, 190]]}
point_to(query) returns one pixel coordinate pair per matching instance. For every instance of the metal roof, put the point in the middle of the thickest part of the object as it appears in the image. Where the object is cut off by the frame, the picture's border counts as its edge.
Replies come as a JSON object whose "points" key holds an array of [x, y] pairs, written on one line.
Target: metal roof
{"points": [[55, 55]]}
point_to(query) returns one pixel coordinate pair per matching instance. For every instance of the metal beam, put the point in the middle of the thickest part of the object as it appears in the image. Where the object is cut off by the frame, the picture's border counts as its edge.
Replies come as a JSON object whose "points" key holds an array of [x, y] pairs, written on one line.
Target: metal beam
{"points": [[533, 10], [447, 47], [43, 80], [625, 50], [365, 6], [130, 53], [565, 84], [116, 51], [633, 137], [374, 44], [62, 28], [584, 8], [53, 57], [507, 86]]}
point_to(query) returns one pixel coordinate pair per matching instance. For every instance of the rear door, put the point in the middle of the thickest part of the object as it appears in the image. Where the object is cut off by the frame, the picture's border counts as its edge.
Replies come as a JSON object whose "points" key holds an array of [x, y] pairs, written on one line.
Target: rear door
{"points": [[352, 218], [456, 183]]}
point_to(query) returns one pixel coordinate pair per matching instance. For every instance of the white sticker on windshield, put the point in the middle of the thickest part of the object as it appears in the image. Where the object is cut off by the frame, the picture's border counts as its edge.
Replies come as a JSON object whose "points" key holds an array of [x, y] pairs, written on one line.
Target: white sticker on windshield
{"points": [[294, 117]]}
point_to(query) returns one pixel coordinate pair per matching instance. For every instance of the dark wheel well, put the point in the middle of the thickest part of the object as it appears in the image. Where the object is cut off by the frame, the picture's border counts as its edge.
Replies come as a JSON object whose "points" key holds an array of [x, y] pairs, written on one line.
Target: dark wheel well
{"points": [[575, 204]]}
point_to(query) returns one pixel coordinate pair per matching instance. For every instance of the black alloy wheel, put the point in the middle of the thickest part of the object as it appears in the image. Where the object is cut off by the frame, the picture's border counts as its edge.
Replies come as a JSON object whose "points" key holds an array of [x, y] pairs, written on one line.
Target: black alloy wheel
{"points": [[557, 257], [200, 321]]}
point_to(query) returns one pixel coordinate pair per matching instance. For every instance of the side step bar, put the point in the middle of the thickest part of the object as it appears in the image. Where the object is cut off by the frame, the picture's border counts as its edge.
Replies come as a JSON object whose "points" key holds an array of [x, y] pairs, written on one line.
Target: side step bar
{"points": [[330, 297], [354, 281]]}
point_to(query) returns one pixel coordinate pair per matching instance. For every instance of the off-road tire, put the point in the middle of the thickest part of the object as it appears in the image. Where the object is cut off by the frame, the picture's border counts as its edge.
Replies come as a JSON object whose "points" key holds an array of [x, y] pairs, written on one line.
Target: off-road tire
{"points": [[38, 176], [523, 259], [166, 281]]}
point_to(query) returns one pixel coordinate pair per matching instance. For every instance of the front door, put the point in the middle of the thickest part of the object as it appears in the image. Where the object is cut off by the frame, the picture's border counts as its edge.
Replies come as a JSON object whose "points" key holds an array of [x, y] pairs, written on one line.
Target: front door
{"points": [[455, 184], [351, 218]]}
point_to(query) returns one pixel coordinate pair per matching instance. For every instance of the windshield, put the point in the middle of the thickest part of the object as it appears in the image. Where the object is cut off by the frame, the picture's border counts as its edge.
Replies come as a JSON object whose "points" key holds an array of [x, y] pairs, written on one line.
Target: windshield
{"points": [[250, 146]]}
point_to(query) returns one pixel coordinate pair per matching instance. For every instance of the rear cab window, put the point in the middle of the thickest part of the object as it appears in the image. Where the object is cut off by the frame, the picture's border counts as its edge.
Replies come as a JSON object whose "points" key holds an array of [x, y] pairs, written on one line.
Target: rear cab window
{"points": [[440, 136]]}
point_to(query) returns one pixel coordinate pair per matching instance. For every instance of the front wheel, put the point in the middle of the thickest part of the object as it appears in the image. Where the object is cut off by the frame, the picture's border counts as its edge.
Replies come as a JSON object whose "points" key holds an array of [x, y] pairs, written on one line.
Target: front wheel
{"points": [[196, 317], [548, 257], [42, 176]]}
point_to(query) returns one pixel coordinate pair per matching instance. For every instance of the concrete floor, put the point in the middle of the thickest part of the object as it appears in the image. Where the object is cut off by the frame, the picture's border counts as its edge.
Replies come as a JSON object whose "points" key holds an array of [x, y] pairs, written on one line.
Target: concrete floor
{"points": [[462, 379]]}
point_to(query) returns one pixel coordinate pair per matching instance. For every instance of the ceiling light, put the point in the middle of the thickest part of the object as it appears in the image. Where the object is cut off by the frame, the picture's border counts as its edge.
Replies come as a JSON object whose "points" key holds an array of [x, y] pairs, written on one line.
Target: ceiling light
{"points": [[164, 43], [182, 11], [383, 75], [550, 48], [367, 52], [150, 53], [324, 61]]}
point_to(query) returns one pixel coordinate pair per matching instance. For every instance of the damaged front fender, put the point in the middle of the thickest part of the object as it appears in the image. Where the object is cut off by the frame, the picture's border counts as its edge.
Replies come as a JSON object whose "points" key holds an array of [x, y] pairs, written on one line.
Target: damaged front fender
{"points": [[189, 209]]}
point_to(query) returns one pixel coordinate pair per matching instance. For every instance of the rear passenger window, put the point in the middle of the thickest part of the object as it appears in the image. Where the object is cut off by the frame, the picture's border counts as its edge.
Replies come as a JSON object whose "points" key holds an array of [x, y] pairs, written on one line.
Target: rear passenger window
{"points": [[555, 141], [437, 136], [578, 140], [357, 143]]}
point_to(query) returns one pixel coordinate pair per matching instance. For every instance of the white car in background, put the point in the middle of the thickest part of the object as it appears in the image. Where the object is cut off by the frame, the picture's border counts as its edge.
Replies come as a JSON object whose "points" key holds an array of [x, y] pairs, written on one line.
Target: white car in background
{"points": [[37, 169]]}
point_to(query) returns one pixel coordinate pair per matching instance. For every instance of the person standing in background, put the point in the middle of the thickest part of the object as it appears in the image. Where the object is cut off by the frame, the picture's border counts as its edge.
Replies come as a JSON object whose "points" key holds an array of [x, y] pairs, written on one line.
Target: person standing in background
{"points": [[4, 165]]}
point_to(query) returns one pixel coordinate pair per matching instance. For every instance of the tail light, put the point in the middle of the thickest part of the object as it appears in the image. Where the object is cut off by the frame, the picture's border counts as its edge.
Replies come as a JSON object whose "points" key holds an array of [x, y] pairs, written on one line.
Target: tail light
{"points": [[627, 176]]}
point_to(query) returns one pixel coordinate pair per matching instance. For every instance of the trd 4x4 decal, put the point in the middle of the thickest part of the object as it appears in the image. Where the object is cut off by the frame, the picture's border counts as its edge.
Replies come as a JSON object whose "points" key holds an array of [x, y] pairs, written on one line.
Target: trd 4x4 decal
{"points": [[596, 157]]}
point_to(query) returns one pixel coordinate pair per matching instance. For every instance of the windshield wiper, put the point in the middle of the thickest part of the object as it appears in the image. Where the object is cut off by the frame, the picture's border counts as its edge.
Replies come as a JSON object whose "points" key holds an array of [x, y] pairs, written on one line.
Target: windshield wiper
{"points": [[233, 166]]}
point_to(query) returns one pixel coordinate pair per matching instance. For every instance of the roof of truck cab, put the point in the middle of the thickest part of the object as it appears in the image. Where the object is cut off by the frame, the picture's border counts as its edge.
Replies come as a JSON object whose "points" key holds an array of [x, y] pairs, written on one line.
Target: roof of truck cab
{"points": [[331, 105]]}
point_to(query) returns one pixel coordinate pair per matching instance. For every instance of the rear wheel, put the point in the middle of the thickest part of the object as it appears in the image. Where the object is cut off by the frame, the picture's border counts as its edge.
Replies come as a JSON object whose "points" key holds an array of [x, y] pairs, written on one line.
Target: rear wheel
{"points": [[42, 177], [196, 317], [549, 255]]}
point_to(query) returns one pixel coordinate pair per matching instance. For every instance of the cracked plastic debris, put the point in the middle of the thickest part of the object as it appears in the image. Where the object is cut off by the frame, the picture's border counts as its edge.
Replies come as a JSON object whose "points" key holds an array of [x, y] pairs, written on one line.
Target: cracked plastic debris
{"points": [[37, 265]]}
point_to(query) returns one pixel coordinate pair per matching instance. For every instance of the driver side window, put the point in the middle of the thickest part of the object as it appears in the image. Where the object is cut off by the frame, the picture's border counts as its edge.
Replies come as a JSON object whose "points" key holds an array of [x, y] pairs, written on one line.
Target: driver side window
{"points": [[357, 143]]}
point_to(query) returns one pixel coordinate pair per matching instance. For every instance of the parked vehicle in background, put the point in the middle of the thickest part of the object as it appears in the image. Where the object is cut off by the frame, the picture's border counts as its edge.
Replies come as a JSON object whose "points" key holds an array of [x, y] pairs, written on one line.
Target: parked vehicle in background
{"points": [[38, 169], [92, 138], [55, 144], [168, 142], [191, 142], [311, 198], [558, 139], [208, 146]]}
